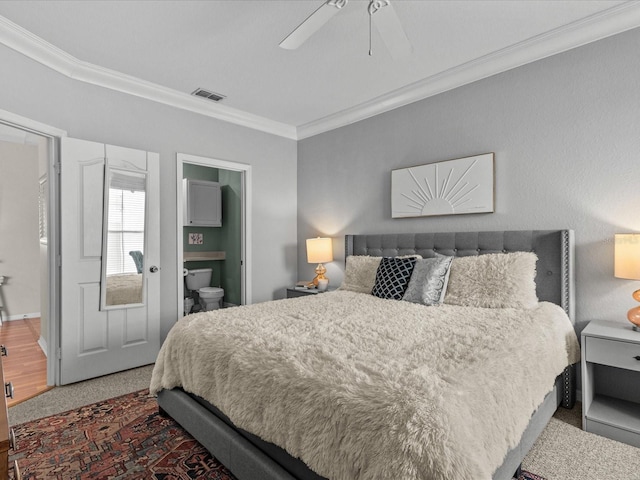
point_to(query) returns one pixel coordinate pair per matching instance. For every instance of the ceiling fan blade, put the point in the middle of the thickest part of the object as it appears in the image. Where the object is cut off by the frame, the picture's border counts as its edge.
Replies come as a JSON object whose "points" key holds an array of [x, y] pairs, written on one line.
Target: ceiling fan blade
{"points": [[386, 20], [312, 24]]}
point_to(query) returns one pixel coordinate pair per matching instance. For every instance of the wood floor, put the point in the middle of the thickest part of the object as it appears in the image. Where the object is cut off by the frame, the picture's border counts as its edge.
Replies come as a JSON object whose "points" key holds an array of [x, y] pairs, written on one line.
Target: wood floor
{"points": [[25, 366]]}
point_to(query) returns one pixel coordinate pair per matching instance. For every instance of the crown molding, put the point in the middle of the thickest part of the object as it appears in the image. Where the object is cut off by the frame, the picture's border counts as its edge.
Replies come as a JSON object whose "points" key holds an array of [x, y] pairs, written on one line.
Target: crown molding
{"points": [[37, 49], [610, 22]]}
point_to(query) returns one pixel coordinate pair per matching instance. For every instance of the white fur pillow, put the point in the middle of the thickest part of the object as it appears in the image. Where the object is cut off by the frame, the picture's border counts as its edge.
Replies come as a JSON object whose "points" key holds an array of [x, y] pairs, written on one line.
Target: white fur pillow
{"points": [[496, 280], [360, 273]]}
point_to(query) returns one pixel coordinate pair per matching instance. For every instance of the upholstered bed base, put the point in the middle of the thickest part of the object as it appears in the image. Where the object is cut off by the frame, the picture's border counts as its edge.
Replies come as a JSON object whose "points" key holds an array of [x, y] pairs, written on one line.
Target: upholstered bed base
{"points": [[250, 458]]}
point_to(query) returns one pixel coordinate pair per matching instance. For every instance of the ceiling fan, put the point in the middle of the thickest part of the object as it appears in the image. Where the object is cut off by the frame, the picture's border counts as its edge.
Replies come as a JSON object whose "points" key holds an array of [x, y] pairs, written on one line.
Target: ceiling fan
{"points": [[381, 14]]}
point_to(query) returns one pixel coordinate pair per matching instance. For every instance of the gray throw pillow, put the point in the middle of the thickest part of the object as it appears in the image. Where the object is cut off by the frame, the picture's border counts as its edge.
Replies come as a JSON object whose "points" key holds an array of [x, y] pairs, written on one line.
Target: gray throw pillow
{"points": [[428, 283]]}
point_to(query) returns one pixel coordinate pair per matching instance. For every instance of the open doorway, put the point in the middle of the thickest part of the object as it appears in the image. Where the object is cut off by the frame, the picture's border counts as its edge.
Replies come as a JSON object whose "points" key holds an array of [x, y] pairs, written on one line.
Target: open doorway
{"points": [[28, 226], [225, 248]]}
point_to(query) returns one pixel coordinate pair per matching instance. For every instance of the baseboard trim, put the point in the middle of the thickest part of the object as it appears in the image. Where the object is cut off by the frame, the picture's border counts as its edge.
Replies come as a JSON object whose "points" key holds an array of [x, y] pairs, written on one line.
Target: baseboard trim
{"points": [[43, 345], [23, 316]]}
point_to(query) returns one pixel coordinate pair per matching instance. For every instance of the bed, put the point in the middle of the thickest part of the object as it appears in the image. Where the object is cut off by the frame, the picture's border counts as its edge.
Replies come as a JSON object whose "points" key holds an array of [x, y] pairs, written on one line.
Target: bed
{"points": [[124, 289], [362, 426]]}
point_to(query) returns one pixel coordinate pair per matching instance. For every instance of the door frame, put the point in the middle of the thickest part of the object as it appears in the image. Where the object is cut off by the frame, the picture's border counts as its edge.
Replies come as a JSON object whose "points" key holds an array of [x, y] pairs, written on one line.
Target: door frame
{"points": [[245, 267], [53, 232]]}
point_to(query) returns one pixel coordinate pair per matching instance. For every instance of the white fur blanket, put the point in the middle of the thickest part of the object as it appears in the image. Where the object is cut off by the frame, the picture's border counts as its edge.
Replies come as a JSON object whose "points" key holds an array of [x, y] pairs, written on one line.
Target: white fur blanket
{"points": [[364, 388]]}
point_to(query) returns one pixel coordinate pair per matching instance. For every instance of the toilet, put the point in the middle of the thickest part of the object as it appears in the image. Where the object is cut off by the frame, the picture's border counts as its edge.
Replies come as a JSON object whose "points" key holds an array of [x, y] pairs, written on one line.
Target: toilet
{"points": [[199, 280]]}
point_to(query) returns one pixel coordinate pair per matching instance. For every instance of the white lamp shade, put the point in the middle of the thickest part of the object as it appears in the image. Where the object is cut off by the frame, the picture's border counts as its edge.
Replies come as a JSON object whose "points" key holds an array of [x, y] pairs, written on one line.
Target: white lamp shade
{"points": [[627, 256], [319, 250]]}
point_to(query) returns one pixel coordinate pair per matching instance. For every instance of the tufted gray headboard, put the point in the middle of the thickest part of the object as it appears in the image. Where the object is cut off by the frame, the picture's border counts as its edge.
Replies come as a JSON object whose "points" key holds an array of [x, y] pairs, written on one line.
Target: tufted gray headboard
{"points": [[554, 248]]}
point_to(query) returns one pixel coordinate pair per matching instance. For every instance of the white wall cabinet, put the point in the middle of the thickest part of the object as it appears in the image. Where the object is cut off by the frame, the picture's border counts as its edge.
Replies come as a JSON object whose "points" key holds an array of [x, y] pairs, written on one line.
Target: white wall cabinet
{"points": [[202, 203]]}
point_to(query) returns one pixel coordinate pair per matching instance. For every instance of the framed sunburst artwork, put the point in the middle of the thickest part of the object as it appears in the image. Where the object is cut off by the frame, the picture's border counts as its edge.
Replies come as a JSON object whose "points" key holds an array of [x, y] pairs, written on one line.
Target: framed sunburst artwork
{"points": [[452, 187]]}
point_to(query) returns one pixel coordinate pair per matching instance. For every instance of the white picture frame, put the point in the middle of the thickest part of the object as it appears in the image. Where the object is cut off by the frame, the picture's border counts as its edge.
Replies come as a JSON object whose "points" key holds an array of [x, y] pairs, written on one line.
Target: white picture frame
{"points": [[452, 187]]}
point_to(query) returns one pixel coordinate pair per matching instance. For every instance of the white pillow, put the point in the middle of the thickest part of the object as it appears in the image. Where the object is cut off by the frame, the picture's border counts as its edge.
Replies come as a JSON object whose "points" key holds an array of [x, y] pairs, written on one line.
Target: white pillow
{"points": [[495, 280], [360, 273]]}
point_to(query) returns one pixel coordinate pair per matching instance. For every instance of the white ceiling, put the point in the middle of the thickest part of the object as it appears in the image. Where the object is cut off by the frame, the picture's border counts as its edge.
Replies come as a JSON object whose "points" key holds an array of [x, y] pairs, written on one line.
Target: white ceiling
{"points": [[231, 47]]}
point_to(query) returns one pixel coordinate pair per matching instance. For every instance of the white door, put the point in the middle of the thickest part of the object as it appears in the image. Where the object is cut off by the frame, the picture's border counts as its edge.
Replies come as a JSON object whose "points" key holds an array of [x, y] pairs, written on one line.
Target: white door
{"points": [[95, 342]]}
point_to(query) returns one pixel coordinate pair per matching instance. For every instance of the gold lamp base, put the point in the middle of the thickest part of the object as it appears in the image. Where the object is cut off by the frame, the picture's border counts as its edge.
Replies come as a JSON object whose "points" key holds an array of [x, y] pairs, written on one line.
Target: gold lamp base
{"points": [[633, 315], [320, 271]]}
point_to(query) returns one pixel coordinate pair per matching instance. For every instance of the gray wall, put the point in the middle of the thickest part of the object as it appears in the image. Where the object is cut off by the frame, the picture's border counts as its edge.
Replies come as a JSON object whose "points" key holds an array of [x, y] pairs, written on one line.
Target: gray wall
{"points": [[97, 114], [566, 137], [231, 236]]}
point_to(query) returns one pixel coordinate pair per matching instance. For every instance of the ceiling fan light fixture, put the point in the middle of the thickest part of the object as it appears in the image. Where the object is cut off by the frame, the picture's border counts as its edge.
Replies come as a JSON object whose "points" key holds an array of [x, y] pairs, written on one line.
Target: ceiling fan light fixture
{"points": [[381, 14], [375, 5], [386, 20], [312, 24]]}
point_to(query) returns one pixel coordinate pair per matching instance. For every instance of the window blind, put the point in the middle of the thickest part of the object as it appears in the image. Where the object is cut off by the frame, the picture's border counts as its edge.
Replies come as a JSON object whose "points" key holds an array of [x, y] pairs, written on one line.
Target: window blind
{"points": [[125, 231]]}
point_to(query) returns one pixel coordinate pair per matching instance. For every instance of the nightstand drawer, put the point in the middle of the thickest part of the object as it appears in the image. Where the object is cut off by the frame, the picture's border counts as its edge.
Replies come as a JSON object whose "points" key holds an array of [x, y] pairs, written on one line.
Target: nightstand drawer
{"points": [[613, 353], [293, 293]]}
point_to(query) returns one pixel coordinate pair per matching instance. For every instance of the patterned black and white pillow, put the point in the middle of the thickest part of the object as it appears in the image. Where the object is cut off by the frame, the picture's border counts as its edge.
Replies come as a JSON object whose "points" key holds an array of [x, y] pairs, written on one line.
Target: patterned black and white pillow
{"points": [[392, 277]]}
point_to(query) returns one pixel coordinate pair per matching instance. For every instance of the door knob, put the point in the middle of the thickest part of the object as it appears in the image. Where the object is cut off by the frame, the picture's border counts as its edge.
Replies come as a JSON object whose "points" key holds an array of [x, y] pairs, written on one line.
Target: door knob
{"points": [[153, 269]]}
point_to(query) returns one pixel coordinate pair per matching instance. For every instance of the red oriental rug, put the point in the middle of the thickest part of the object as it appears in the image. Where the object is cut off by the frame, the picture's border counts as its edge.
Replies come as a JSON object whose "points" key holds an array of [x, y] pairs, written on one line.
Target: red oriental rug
{"points": [[529, 476], [121, 438]]}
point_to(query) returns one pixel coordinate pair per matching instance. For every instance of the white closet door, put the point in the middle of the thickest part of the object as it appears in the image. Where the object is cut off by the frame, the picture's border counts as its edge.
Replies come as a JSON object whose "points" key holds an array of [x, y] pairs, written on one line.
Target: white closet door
{"points": [[94, 342]]}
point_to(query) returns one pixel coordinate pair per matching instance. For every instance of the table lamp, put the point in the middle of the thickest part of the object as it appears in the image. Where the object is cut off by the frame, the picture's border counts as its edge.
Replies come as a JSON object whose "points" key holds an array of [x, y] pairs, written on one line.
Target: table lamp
{"points": [[319, 250], [627, 265]]}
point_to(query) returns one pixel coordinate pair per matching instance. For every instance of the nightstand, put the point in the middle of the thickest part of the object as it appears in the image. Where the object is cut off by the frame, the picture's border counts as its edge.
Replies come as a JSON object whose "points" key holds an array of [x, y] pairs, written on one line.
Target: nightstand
{"points": [[294, 292], [612, 344]]}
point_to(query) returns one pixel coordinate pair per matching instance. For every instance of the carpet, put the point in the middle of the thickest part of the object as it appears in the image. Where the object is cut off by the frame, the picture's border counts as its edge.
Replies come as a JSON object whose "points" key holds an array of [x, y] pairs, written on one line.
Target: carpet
{"points": [[120, 438]]}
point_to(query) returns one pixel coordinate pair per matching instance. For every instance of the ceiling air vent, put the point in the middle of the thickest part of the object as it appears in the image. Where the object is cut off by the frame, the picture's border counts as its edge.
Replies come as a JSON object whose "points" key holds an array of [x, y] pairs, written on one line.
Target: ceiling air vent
{"points": [[201, 92]]}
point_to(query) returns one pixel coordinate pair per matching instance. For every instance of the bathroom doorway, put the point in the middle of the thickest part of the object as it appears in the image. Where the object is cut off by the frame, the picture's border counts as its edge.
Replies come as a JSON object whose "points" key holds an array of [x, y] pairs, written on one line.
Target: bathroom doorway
{"points": [[224, 249]]}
